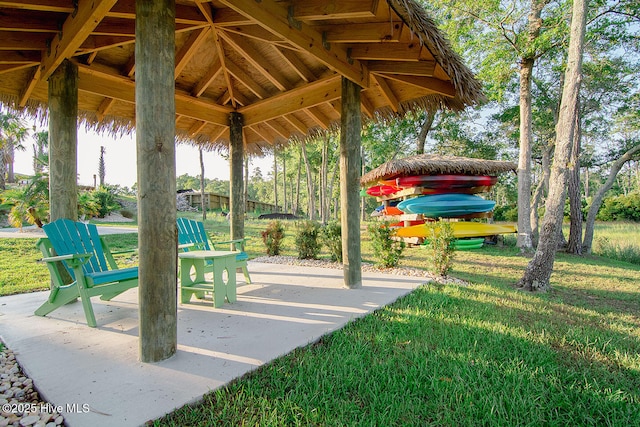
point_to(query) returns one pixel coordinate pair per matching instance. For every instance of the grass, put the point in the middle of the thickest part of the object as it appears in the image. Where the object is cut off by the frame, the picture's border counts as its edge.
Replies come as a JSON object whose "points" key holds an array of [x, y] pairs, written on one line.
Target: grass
{"points": [[482, 354]]}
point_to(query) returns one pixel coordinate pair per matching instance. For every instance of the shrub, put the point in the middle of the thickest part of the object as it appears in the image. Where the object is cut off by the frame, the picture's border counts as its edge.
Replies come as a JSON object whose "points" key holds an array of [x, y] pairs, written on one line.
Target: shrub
{"points": [[127, 213], [620, 208], [106, 201], [387, 251], [307, 241], [272, 237], [441, 247], [332, 239]]}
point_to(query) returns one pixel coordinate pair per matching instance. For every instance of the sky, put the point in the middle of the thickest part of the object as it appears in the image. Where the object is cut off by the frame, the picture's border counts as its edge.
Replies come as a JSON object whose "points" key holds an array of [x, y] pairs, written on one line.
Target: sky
{"points": [[120, 159]]}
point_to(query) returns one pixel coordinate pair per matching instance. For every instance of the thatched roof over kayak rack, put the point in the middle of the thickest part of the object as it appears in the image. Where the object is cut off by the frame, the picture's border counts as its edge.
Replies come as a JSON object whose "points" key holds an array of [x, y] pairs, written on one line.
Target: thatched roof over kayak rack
{"points": [[434, 164]]}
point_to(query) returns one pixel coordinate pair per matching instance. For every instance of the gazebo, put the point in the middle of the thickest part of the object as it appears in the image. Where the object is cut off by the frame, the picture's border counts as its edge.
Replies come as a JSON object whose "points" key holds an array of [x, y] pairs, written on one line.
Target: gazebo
{"points": [[240, 74]]}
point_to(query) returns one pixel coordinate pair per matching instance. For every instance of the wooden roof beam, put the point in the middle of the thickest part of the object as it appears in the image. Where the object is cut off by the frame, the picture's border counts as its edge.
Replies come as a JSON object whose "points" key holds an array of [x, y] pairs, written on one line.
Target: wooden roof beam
{"points": [[365, 105], [387, 51], [362, 33], [279, 129], [34, 78], [421, 68], [223, 63], [104, 107], [386, 91], [429, 83], [273, 16], [189, 49], [13, 40], [212, 73], [251, 55], [196, 128], [246, 80], [311, 10], [302, 97], [296, 123], [21, 57], [122, 88], [63, 6], [76, 28], [318, 116], [298, 66]]}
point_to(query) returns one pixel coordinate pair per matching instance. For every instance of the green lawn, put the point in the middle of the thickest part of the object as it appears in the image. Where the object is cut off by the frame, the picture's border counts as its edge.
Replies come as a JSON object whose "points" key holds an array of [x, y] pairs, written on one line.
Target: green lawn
{"points": [[482, 354]]}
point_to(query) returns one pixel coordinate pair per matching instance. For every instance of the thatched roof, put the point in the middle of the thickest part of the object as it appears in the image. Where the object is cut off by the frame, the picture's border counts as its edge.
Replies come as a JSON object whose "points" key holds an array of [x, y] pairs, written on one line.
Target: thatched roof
{"points": [[277, 62], [433, 164]]}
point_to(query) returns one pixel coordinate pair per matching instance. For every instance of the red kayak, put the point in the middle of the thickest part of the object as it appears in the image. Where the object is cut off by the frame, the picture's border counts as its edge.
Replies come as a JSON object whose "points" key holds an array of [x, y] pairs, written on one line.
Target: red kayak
{"points": [[443, 181], [382, 190]]}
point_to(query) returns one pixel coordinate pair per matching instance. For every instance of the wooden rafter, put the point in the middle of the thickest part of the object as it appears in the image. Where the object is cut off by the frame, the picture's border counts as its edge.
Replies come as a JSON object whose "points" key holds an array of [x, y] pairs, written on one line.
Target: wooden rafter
{"points": [[246, 80], [212, 73], [189, 49], [386, 91], [34, 78], [270, 71], [75, 30], [296, 63], [432, 84], [387, 51], [311, 10], [362, 33], [275, 18], [104, 108], [296, 99], [420, 68]]}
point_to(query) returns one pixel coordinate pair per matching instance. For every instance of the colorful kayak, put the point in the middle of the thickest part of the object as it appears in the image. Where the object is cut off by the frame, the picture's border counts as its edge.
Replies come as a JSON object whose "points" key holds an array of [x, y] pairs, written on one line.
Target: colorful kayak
{"points": [[392, 210], [460, 230], [462, 244], [443, 181], [446, 205], [382, 190]]}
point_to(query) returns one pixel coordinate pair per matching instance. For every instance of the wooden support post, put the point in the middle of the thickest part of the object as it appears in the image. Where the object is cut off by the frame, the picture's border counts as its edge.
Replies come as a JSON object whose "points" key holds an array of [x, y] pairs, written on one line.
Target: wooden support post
{"points": [[156, 161], [63, 142], [236, 154], [350, 141]]}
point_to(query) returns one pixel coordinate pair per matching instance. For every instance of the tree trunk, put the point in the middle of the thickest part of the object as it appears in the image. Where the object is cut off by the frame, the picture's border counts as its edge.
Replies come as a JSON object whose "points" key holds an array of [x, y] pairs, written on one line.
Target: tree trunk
{"points": [[296, 206], [156, 163], [284, 182], [245, 184], [236, 160], [3, 169], [524, 241], [350, 143], [538, 273], [10, 156], [275, 179], [63, 147], [574, 244], [599, 197], [324, 211], [424, 131], [203, 205], [543, 186], [311, 193]]}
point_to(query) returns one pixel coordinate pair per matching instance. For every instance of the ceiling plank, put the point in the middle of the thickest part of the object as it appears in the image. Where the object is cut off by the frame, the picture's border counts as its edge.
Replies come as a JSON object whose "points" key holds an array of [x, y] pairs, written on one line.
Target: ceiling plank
{"points": [[189, 49], [75, 30], [310, 10], [430, 83], [279, 129], [275, 18], [20, 57], [366, 106], [223, 63], [196, 128], [299, 98], [296, 123], [13, 40], [420, 68], [318, 116], [255, 58], [63, 6], [386, 91]]}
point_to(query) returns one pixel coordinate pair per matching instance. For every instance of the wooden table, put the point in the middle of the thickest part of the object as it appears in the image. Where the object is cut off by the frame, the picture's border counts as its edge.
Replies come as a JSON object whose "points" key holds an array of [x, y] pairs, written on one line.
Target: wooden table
{"points": [[198, 285]]}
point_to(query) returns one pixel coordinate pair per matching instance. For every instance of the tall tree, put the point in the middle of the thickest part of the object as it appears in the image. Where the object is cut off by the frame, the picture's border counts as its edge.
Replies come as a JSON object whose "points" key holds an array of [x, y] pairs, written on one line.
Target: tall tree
{"points": [[101, 166], [41, 142], [538, 273], [12, 134], [203, 205]]}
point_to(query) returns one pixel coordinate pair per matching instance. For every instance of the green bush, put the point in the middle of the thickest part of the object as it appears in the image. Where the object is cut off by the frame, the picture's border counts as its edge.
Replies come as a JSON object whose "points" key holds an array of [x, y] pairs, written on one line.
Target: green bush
{"points": [[621, 208], [307, 241], [272, 237], [387, 251], [505, 213], [127, 213], [332, 239], [441, 248], [106, 201]]}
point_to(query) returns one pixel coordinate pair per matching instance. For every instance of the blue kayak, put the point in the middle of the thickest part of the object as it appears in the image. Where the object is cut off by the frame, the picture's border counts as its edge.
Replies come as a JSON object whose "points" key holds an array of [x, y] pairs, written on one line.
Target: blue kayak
{"points": [[448, 205]]}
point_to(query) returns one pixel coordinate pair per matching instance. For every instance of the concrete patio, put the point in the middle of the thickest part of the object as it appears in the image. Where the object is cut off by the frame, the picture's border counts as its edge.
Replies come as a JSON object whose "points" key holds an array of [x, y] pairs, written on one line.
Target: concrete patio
{"points": [[286, 307]]}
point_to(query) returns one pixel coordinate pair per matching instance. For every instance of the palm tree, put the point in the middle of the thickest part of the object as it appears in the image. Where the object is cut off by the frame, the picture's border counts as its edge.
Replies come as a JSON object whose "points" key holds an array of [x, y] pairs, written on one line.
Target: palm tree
{"points": [[12, 133]]}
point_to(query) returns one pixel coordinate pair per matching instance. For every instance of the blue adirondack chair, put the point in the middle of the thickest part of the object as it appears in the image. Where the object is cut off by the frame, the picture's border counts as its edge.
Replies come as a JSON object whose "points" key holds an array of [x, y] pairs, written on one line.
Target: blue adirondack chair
{"points": [[89, 267], [192, 236]]}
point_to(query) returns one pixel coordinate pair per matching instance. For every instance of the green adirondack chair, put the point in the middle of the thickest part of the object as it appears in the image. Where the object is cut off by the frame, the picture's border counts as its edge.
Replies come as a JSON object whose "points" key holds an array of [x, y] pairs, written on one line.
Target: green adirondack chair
{"points": [[89, 263], [192, 236]]}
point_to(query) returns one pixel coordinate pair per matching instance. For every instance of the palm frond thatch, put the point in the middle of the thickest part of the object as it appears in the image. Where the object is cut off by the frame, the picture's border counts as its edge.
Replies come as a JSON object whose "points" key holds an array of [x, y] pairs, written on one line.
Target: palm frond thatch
{"points": [[434, 164]]}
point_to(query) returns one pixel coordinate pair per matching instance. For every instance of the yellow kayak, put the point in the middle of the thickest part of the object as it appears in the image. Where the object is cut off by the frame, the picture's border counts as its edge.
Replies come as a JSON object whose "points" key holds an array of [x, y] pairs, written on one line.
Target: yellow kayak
{"points": [[460, 230]]}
